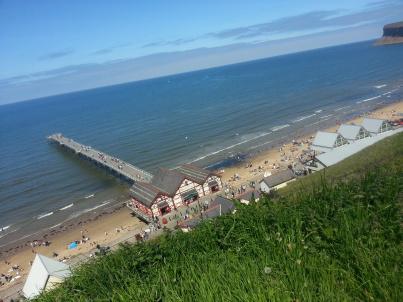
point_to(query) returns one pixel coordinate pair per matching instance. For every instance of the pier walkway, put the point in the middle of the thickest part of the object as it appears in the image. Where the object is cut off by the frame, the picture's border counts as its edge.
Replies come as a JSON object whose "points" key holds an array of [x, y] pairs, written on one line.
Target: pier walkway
{"points": [[112, 164]]}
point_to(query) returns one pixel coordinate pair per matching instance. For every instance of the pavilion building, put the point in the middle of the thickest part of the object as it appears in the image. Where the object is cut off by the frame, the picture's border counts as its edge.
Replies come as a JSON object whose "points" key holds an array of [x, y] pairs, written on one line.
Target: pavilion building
{"points": [[170, 189], [353, 132], [335, 156], [375, 126], [327, 141]]}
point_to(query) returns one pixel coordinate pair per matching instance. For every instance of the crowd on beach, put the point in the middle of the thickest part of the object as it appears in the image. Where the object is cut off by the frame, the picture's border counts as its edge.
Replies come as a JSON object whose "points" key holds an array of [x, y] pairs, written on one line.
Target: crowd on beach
{"points": [[14, 273], [246, 178]]}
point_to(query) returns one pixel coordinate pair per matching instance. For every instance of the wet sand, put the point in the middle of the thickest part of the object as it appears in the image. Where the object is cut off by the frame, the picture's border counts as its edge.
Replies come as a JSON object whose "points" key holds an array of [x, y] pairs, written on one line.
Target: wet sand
{"points": [[107, 226]]}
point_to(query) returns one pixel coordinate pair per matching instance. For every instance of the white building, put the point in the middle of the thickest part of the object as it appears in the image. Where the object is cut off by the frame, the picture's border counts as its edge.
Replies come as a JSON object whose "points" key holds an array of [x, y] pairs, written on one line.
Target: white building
{"points": [[276, 181], [170, 189], [353, 132], [45, 273], [375, 126], [326, 141], [335, 156]]}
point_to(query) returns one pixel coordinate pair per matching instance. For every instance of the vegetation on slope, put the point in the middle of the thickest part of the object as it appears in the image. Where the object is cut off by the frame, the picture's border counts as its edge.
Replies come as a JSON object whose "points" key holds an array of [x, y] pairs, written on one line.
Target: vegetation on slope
{"points": [[334, 241]]}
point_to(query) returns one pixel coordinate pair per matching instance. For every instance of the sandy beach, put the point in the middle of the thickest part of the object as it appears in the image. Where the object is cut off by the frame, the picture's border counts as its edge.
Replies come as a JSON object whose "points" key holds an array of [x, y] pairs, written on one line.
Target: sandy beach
{"points": [[105, 228], [117, 224]]}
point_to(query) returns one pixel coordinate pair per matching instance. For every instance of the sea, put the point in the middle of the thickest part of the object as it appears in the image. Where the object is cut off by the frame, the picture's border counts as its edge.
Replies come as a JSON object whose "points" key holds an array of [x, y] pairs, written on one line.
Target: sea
{"points": [[212, 118]]}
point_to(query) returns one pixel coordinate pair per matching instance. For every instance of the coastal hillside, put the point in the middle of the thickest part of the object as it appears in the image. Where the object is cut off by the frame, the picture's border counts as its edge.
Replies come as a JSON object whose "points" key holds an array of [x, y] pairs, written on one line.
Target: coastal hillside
{"points": [[336, 238], [392, 34]]}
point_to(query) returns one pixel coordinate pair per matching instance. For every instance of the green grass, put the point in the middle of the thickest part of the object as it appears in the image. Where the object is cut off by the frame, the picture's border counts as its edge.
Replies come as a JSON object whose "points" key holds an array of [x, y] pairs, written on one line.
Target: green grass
{"points": [[335, 239]]}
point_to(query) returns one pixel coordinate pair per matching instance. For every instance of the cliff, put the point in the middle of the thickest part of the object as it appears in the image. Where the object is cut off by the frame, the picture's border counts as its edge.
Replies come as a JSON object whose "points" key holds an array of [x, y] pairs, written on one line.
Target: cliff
{"points": [[392, 34]]}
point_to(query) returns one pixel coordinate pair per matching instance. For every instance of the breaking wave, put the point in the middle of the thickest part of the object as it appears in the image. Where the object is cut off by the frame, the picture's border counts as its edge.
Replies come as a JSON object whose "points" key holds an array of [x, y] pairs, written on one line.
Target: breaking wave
{"points": [[370, 99], [44, 215], [301, 118], [277, 128], [66, 207]]}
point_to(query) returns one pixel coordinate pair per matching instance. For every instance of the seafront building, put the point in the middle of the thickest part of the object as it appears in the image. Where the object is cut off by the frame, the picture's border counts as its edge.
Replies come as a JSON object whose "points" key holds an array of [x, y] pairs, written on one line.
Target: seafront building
{"points": [[249, 196], [276, 181], [336, 155], [170, 189], [327, 141], [353, 132], [375, 126]]}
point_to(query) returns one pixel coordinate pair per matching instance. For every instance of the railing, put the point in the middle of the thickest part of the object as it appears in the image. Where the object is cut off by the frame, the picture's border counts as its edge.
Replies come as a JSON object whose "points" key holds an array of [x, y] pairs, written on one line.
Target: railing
{"points": [[118, 166], [138, 213]]}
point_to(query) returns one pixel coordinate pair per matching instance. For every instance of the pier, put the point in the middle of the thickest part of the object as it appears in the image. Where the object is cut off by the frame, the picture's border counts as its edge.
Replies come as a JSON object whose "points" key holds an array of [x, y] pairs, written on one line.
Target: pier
{"points": [[112, 164]]}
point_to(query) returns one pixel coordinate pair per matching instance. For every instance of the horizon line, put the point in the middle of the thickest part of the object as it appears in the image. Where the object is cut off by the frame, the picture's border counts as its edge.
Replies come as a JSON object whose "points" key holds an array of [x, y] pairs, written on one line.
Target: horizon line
{"points": [[182, 73]]}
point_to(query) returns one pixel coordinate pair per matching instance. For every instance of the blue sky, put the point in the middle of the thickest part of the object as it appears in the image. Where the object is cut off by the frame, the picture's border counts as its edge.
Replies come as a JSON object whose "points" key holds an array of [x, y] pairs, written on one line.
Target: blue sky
{"points": [[52, 47]]}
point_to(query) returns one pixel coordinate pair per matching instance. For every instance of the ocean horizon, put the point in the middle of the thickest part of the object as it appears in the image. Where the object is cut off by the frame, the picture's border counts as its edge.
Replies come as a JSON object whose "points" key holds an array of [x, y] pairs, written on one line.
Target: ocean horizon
{"points": [[212, 118]]}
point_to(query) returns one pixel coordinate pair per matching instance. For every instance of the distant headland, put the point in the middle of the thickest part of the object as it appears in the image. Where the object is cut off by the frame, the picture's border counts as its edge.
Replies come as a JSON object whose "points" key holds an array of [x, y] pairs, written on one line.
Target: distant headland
{"points": [[392, 34]]}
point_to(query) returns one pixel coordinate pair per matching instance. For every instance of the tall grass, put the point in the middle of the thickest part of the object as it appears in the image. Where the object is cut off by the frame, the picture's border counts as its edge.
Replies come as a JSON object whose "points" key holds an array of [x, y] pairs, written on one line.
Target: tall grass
{"points": [[334, 241]]}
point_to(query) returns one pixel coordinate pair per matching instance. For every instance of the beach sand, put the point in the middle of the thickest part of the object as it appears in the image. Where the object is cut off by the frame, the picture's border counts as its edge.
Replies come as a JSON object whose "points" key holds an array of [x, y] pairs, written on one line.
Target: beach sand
{"points": [[104, 229], [108, 228]]}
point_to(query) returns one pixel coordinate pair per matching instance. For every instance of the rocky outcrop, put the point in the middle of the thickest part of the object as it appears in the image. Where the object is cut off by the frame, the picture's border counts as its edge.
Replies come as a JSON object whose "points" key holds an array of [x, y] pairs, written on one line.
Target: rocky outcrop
{"points": [[392, 34]]}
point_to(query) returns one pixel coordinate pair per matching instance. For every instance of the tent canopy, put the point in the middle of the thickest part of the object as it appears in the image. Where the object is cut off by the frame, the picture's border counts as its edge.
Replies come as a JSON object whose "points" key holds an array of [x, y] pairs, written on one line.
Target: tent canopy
{"points": [[43, 268]]}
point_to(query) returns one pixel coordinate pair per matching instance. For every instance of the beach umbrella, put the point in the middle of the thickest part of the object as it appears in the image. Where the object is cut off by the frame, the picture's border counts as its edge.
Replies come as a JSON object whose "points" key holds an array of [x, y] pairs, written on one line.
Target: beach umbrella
{"points": [[72, 245]]}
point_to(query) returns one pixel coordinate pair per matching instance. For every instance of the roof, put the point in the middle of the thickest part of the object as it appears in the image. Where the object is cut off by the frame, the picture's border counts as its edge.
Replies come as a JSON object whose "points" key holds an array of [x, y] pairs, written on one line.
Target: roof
{"points": [[325, 139], [167, 181], [226, 204], [220, 205], [41, 269], [194, 173], [145, 193], [278, 178], [336, 155], [349, 131], [248, 195], [372, 125]]}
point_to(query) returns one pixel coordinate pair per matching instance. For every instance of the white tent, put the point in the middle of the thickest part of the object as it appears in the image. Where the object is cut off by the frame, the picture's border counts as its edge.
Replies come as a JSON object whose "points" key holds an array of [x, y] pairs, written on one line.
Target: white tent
{"points": [[45, 273]]}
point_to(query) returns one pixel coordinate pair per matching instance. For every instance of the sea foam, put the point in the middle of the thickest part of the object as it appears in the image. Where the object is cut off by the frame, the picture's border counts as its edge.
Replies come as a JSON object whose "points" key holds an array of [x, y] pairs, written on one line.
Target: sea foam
{"points": [[66, 207], [301, 118], [341, 108], [229, 147], [44, 215], [369, 99], [277, 128]]}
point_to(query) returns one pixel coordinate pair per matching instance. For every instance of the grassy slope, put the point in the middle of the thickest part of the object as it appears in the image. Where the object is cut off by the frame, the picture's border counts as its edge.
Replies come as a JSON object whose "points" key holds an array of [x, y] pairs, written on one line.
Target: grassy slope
{"points": [[324, 241]]}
